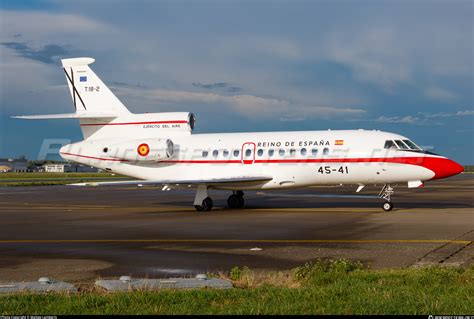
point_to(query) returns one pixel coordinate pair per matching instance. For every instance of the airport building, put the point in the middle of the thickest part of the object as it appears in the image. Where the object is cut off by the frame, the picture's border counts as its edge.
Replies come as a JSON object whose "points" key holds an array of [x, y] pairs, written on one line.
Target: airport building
{"points": [[68, 168], [13, 165]]}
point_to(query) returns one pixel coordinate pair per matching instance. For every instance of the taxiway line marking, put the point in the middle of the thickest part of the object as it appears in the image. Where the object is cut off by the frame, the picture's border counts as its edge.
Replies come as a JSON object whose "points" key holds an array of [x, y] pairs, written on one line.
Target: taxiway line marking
{"points": [[271, 241]]}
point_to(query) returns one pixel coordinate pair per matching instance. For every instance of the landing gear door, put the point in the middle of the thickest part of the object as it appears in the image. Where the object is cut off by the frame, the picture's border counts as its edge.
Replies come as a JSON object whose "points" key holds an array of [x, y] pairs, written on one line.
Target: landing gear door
{"points": [[248, 153]]}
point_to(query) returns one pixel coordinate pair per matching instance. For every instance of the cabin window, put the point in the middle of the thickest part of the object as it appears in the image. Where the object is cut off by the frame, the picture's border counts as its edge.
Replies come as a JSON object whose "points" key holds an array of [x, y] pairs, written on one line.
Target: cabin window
{"points": [[236, 153], [215, 153], [303, 151], [260, 152], [314, 151], [326, 151], [248, 152], [271, 152], [225, 153], [292, 152], [204, 153], [281, 152]]}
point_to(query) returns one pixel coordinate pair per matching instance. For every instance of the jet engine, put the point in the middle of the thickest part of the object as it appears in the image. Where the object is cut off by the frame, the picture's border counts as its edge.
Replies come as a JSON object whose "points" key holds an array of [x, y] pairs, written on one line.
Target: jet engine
{"points": [[144, 150]]}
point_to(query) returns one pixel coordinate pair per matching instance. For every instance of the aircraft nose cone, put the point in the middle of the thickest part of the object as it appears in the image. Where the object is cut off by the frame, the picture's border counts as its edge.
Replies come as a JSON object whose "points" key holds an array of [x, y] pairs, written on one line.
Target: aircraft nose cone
{"points": [[446, 168]]}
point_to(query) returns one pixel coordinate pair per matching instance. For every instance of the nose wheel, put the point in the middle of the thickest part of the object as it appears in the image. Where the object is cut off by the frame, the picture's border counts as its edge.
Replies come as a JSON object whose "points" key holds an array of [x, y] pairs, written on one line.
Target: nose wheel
{"points": [[236, 200], [387, 206], [386, 193]]}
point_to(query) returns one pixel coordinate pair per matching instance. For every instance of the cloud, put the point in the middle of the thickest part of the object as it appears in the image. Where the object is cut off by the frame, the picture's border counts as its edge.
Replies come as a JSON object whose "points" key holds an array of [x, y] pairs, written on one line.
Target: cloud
{"points": [[375, 55], [408, 119], [123, 84], [47, 54], [211, 86], [422, 118], [443, 114], [464, 113], [38, 24], [234, 89], [251, 106], [437, 93], [219, 85], [396, 47]]}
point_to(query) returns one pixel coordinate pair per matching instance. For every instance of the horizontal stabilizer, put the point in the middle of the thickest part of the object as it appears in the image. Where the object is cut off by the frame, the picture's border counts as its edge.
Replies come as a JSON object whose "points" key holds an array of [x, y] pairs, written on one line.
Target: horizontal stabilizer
{"points": [[216, 181], [78, 115], [74, 62]]}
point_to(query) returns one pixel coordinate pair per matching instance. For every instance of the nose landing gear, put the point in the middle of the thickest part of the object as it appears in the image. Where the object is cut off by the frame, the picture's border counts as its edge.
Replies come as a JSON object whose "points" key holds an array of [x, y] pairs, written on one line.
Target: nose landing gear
{"points": [[386, 193]]}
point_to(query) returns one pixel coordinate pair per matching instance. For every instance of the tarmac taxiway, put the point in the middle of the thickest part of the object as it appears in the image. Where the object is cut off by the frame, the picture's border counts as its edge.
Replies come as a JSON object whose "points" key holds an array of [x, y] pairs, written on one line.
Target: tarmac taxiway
{"points": [[80, 233]]}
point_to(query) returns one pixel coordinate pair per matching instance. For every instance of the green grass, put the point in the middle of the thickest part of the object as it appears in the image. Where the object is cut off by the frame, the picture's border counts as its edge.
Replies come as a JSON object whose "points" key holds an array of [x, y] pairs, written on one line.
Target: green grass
{"points": [[49, 183], [56, 175], [469, 168], [47, 179], [339, 287]]}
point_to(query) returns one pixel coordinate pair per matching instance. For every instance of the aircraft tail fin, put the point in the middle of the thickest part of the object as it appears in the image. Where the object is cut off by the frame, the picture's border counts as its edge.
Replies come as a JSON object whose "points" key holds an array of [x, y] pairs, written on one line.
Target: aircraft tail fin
{"points": [[93, 101], [88, 92], [101, 114]]}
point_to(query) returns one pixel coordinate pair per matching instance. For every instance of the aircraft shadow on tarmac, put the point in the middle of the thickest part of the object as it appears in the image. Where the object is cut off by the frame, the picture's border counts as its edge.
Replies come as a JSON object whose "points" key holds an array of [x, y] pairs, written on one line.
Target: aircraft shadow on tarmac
{"points": [[297, 203]]}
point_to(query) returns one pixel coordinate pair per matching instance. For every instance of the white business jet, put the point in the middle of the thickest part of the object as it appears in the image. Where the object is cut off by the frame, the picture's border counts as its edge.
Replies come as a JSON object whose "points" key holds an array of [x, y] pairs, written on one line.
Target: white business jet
{"points": [[160, 149]]}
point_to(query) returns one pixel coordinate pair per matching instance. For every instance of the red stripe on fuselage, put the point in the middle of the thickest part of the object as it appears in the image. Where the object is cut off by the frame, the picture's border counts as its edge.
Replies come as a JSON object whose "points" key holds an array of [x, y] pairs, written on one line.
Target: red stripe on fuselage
{"points": [[96, 158], [135, 123], [398, 160], [442, 167]]}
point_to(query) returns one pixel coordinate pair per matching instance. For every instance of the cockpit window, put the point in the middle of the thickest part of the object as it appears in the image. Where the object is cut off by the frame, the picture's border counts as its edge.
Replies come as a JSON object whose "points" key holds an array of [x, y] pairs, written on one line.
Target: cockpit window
{"points": [[390, 144], [412, 145], [402, 145]]}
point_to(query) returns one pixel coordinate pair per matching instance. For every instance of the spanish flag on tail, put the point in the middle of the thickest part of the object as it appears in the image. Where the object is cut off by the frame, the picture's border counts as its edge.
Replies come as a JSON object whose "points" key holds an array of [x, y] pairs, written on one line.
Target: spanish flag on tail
{"points": [[339, 142]]}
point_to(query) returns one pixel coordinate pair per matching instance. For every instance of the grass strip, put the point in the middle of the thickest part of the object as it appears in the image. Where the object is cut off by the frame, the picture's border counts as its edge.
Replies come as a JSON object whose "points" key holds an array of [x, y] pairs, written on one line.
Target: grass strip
{"points": [[321, 287]]}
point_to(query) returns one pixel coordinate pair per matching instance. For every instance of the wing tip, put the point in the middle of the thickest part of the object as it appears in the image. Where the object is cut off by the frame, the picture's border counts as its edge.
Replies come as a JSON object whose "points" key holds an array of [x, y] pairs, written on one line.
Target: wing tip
{"points": [[83, 184]]}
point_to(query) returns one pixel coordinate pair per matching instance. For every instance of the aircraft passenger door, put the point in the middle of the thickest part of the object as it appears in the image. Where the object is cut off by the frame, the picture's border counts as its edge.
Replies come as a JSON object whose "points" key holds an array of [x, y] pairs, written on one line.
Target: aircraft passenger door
{"points": [[248, 153]]}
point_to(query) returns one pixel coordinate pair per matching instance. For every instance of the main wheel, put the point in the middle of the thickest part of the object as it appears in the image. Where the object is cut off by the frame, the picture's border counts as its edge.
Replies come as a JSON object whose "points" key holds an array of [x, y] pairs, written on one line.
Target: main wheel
{"points": [[235, 201], [387, 206], [241, 201], [205, 206]]}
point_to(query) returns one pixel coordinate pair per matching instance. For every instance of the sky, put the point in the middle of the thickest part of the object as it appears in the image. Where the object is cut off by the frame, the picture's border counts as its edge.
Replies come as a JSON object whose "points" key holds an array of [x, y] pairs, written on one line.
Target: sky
{"points": [[400, 66]]}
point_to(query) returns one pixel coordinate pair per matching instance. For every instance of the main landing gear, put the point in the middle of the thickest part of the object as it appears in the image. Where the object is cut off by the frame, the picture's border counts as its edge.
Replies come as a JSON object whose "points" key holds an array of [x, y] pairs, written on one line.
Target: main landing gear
{"points": [[236, 200], [385, 193], [205, 206], [203, 203]]}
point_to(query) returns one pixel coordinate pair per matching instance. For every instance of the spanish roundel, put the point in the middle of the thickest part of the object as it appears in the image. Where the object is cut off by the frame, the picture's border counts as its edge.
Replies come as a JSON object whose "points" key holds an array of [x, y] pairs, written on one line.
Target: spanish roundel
{"points": [[143, 149]]}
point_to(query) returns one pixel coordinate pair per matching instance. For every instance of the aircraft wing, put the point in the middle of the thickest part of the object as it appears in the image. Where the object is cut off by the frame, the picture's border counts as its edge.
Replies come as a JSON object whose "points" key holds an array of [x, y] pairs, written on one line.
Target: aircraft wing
{"points": [[209, 182], [77, 115]]}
